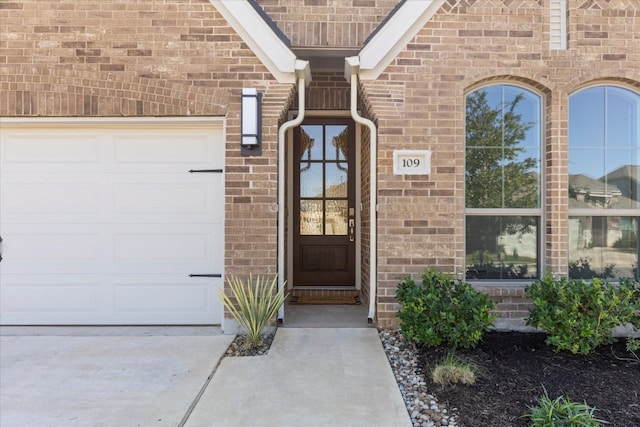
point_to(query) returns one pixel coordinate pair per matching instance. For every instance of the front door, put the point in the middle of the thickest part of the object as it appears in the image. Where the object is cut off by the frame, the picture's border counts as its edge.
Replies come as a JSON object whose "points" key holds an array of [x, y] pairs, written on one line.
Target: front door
{"points": [[324, 219]]}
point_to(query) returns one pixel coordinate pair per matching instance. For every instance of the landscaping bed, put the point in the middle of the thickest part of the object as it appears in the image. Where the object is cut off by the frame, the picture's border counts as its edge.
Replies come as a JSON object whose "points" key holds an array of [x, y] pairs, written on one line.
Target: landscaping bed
{"points": [[515, 369]]}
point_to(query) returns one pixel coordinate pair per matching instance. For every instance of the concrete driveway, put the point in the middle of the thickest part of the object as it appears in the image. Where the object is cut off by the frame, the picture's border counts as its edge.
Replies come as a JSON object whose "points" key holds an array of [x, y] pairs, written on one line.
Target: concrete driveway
{"points": [[104, 376]]}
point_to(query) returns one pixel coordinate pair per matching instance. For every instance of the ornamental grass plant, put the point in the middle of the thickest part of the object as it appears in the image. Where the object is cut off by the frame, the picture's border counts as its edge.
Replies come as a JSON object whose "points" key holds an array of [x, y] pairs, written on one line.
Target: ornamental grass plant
{"points": [[562, 412], [453, 370], [253, 304]]}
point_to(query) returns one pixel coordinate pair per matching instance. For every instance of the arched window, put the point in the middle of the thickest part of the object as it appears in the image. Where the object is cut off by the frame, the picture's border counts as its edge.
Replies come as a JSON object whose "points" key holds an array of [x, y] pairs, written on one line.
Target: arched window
{"points": [[604, 144], [503, 133]]}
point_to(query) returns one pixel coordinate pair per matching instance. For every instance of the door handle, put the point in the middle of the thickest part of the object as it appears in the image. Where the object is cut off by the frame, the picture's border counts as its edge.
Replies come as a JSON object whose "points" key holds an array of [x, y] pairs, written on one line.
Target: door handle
{"points": [[0, 248], [352, 230]]}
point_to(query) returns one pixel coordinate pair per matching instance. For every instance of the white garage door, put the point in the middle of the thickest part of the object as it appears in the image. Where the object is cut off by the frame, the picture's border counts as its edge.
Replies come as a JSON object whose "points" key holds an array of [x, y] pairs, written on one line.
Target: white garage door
{"points": [[102, 222]]}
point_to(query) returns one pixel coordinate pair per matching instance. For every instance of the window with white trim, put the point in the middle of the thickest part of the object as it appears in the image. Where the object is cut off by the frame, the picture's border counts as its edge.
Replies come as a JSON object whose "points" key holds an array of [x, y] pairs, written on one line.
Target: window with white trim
{"points": [[604, 147], [503, 134]]}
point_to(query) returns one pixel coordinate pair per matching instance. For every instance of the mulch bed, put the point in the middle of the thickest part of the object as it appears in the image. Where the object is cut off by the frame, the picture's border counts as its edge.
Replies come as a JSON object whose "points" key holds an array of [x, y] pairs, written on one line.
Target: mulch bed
{"points": [[517, 367]]}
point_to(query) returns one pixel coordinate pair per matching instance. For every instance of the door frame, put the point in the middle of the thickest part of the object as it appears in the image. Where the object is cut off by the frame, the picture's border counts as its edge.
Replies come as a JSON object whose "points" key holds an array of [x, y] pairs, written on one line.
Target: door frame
{"points": [[324, 114]]}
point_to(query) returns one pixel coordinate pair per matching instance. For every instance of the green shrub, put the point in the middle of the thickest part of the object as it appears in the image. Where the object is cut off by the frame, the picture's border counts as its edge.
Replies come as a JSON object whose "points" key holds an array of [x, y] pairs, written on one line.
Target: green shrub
{"points": [[443, 310], [255, 305], [562, 412], [577, 315]]}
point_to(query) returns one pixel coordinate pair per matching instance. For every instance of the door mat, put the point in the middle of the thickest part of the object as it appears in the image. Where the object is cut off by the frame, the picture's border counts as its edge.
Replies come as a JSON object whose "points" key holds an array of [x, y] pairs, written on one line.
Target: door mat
{"points": [[329, 299]]}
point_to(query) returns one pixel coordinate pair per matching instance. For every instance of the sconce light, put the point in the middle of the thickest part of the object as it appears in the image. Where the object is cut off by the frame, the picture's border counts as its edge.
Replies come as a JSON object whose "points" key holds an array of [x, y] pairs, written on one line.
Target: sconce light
{"points": [[251, 127]]}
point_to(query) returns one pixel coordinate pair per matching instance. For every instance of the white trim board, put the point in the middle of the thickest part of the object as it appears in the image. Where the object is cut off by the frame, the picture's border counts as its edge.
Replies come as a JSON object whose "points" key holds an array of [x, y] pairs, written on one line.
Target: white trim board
{"points": [[262, 40], [394, 36]]}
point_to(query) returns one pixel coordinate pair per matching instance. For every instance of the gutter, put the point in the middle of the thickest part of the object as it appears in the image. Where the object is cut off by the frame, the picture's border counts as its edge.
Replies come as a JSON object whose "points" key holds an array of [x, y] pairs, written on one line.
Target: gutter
{"points": [[303, 77], [351, 72]]}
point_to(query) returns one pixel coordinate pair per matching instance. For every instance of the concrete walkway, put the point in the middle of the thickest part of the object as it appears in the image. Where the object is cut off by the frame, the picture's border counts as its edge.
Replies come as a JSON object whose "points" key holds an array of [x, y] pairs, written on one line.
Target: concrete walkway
{"points": [[311, 377]]}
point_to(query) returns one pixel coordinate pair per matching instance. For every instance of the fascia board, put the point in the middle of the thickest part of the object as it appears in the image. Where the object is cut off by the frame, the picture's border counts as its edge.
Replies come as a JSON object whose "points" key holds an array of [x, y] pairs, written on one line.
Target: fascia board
{"points": [[392, 38], [257, 34]]}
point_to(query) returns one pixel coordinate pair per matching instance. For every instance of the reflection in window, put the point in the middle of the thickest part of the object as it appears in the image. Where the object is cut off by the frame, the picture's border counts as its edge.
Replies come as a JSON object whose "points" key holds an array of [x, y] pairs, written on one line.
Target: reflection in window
{"points": [[502, 167], [502, 247], [605, 247], [604, 144]]}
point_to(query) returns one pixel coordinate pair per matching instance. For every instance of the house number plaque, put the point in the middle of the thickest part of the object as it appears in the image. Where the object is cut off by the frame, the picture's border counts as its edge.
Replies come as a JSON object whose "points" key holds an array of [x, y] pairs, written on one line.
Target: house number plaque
{"points": [[412, 162]]}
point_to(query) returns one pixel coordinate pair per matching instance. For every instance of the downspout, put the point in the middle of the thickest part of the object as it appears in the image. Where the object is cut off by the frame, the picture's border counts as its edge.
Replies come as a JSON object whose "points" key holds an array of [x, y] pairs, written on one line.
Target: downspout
{"points": [[303, 77], [351, 70]]}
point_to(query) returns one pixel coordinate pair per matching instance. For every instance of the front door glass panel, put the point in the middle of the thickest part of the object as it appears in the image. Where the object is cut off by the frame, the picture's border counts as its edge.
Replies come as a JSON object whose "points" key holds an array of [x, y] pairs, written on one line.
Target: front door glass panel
{"points": [[324, 180]]}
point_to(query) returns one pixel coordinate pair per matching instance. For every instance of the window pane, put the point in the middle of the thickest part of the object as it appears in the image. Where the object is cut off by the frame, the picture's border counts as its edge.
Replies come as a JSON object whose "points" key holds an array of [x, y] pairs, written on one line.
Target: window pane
{"points": [[622, 178], [311, 180], [311, 217], [521, 180], [501, 247], [586, 162], [605, 247], [483, 185], [337, 142], [622, 118], [586, 118], [311, 140], [336, 218], [503, 134], [336, 180]]}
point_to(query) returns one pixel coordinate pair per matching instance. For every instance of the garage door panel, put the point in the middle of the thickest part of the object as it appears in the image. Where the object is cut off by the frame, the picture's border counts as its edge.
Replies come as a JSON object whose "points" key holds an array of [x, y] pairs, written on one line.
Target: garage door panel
{"points": [[157, 148], [157, 196], [48, 295], [41, 249], [158, 298], [57, 195], [39, 146], [52, 248], [102, 198], [113, 248], [132, 297], [182, 247]]}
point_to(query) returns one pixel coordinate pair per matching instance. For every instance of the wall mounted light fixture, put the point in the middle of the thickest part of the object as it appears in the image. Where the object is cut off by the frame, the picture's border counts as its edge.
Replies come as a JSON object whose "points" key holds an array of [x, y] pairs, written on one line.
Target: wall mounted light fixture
{"points": [[251, 126]]}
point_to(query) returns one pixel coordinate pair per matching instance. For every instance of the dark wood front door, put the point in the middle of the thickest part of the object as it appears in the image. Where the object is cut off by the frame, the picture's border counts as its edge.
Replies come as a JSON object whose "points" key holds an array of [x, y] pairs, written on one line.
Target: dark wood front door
{"points": [[324, 219]]}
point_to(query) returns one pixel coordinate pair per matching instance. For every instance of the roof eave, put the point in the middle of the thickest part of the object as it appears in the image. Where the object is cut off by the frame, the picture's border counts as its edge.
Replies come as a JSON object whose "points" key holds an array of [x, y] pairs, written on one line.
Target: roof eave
{"points": [[268, 46], [394, 35]]}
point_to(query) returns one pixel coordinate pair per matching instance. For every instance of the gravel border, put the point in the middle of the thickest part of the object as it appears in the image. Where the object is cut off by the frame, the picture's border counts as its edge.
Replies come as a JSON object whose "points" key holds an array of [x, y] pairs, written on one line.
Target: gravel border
{"points": [[424, 409]]}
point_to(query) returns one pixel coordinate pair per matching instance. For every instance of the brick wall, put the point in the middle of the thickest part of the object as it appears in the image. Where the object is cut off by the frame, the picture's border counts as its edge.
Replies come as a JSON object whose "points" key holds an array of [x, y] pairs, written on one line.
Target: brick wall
{"points": [[327, 91], [418, 103], [327, 23]]}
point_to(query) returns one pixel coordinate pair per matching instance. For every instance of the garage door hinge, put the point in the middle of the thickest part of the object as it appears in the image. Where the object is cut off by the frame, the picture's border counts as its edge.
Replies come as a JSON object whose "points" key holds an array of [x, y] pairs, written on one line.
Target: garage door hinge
{"points": [[205, 275], [206, 171]]}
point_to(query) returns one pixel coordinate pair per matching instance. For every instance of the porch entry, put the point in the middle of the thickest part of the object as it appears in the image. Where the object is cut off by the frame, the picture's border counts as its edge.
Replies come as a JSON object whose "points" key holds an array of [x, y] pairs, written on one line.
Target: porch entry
{"points": [[324, 211]]}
